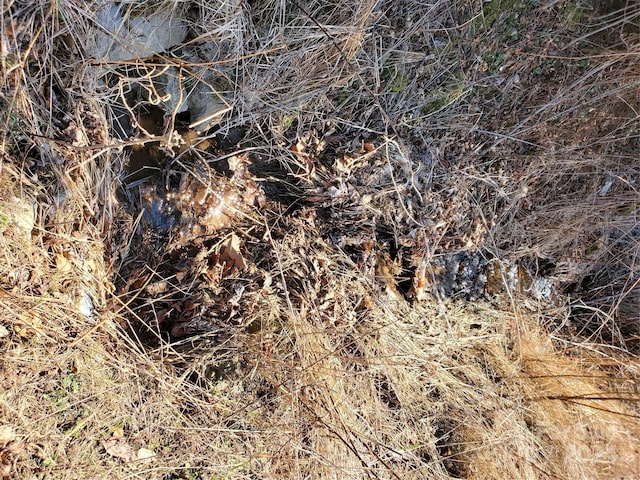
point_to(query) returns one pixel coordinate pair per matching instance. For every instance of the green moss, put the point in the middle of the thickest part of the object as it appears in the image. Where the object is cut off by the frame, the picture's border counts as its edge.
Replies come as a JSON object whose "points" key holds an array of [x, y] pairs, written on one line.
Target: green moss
{"points": [[71, 383], [493, 60], [4, 219], [492, 10], [442, 101], [287, 121], [394, 80], [81, 422], [573, 15], [49, 462], [343, 95], [186, 474]]}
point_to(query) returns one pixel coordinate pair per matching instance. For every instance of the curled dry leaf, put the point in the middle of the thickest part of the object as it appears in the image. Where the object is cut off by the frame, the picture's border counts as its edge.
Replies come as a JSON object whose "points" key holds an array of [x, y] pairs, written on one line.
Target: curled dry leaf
{"points": [[420, 282], [230, 255], [9, 449], [28, 325], [63, 264], [24, 331]]}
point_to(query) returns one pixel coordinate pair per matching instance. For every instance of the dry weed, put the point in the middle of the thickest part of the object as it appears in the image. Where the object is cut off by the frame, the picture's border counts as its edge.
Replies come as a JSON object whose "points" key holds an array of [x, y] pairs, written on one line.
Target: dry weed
{"points": [[386, 136]]}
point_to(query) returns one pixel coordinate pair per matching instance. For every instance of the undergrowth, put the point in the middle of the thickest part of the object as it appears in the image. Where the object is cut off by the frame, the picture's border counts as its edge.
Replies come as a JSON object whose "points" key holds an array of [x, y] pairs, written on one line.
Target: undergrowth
{"points": [[227, 248]]}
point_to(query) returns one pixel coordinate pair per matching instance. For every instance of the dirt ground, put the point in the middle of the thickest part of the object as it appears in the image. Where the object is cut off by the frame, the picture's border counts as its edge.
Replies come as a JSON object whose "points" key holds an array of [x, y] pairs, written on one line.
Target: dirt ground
{"points": [[324, 240]]}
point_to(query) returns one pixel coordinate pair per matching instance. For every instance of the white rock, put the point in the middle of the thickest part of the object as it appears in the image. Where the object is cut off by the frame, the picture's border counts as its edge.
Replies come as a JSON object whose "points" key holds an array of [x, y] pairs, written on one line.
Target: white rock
{"points": [[119, 37]]}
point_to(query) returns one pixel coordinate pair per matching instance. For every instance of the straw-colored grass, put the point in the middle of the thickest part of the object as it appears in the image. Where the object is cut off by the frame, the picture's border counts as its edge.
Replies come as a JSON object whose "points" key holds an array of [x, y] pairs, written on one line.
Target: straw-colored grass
{"points": [[385, 136]]}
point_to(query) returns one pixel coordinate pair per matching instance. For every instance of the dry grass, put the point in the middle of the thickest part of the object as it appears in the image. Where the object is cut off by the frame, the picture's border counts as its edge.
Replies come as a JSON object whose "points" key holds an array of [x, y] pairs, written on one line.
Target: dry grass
{"points": [[386, 135]]}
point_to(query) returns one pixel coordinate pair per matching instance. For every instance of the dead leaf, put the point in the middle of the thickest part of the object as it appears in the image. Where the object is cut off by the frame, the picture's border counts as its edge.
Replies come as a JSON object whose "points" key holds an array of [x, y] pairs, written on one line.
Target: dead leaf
{"points": [[162, 314], [14, 448], [118, 433], [81, 236], [24, 331], [138, 280], [230, 256], [234, 161], [420, 282], [157, 288], [145, 454], [9, 449], [62, 263], [28, 325], [118, 448], [369, 147], [6, 434]]}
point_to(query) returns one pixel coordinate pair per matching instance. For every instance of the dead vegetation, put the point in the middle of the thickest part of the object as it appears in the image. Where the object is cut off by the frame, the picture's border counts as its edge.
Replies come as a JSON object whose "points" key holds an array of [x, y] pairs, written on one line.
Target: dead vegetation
{"points": [[278, 297]]}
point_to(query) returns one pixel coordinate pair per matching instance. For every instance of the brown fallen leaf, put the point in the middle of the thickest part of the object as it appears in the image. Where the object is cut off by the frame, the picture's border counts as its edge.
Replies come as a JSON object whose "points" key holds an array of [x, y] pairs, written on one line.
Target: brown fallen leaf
{"points": [[230, 255], [420, 282], [81, 236], [24, 331], [62, 263], [6, 435], [28, 325], [9, 449], [118, 448], [14, 448], [157, 288]]}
